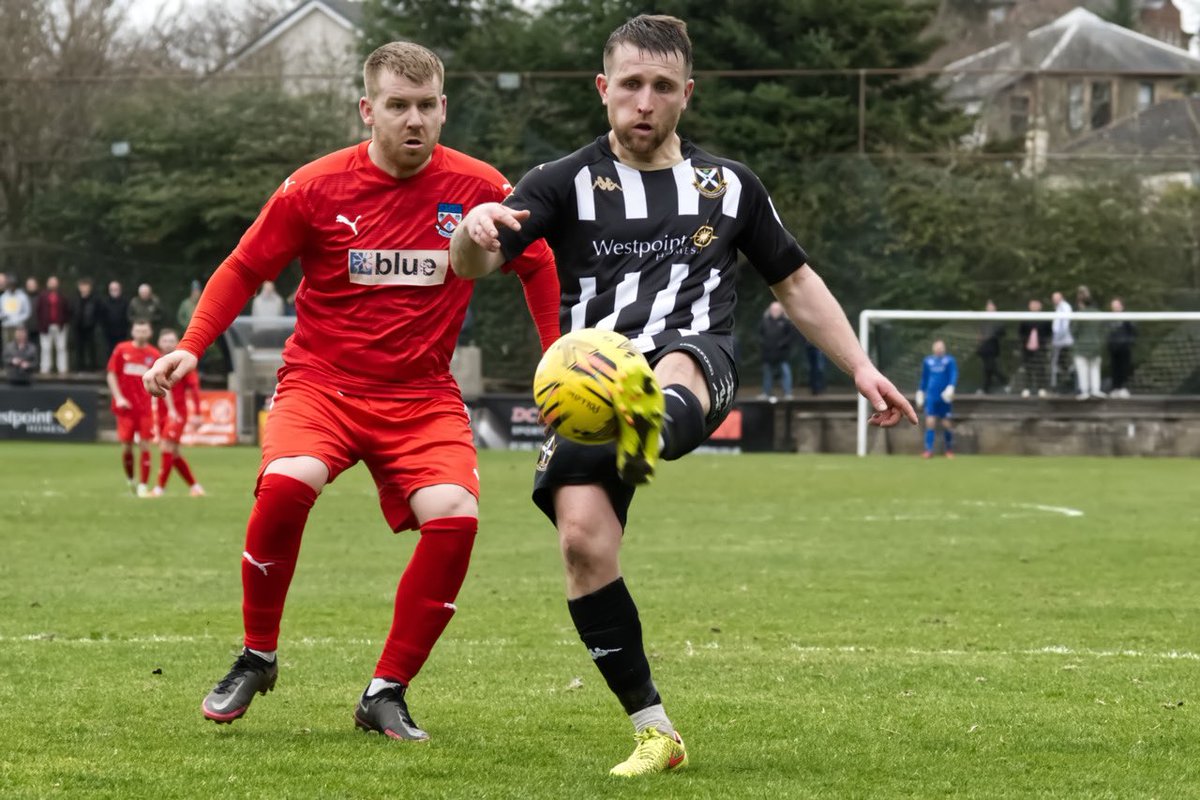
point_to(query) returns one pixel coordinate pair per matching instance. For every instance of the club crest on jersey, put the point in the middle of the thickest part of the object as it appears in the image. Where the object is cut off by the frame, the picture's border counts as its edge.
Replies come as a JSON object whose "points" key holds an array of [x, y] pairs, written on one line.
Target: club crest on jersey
{"points": [[448, 217], [709, 181]]}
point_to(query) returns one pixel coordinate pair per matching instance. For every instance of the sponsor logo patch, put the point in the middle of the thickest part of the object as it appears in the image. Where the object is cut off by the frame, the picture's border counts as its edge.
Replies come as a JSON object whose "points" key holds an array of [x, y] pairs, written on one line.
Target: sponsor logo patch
{"points": [[398, 267], [703, 237], [448, 217]]}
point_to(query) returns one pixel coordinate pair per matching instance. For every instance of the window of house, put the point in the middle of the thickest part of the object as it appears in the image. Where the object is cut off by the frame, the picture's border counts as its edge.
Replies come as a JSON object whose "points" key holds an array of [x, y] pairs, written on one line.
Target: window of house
{"points": [[1145, 95], [1075, 105], [1101, 103], [1018, 114]]}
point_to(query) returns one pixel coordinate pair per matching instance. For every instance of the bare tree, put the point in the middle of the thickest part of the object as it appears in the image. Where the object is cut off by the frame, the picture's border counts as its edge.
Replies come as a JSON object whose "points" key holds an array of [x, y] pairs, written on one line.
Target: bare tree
{"points": [[54, 58]]}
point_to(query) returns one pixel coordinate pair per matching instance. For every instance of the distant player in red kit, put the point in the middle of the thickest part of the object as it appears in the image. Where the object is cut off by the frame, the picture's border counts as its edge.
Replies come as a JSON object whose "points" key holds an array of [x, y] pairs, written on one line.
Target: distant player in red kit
{"points": [[129, 362], [171, 413], [366, 375]]}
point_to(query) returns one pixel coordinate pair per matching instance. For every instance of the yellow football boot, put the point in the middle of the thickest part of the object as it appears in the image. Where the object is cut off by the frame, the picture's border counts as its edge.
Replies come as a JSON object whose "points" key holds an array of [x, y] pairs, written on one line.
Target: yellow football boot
{"points": [[655, 752], [640, 408]]}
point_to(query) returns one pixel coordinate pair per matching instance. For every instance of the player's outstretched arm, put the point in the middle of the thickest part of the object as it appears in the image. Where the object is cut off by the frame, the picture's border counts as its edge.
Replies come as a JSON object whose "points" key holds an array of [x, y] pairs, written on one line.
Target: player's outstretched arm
{"points": [[168, 371], [475, 245], [819, 316]]}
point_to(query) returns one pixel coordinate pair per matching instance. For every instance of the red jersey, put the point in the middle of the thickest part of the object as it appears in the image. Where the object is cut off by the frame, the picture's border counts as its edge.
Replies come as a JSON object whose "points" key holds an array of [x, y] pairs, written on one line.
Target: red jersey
{"points": [[189, 386], [379, 310], [129, 363]]}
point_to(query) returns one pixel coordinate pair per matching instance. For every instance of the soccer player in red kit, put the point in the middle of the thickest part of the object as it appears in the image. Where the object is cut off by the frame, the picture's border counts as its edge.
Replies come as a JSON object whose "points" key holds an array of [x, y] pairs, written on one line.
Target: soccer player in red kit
{"points": [[129, 362], [171, 412], [366, 374]]}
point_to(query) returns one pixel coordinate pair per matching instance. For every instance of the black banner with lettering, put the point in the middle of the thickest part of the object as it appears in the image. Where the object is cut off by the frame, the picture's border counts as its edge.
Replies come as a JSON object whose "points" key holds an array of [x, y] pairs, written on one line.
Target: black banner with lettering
{"points": [[510, 421], [52, 414]]}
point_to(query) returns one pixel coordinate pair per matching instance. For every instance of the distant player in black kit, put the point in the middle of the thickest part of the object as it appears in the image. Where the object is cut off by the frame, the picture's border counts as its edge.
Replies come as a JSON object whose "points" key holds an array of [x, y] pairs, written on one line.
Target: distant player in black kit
{"points": [[646, 229]]}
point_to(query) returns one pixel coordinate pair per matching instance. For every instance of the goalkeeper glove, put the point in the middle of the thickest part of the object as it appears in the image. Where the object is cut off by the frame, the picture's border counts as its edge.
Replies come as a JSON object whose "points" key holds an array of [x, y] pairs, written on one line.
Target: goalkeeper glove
{"points": [[920, 398], [948, 394]]}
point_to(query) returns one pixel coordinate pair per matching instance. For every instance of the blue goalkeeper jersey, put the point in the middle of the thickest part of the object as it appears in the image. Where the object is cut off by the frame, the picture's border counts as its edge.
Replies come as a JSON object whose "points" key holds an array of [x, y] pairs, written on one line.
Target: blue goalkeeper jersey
{"points": [[938, 372]]}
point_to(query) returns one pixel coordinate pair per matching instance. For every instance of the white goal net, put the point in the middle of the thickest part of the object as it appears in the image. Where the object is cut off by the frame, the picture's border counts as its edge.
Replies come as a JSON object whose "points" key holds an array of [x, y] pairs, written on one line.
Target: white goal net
{"points": [[1011, 354]]}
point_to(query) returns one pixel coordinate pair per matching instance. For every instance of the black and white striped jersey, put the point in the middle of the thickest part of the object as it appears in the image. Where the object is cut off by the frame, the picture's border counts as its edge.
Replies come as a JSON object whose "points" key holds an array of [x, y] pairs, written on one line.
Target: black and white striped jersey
{"points": [[651, 255]]}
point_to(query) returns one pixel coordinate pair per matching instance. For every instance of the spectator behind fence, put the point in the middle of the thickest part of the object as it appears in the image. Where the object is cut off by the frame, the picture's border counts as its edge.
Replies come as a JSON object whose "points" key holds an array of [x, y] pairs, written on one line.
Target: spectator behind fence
{"points": [[1061, 339], [1035, 343], [84, 321], [54, 318], [32, 291], [114, 317], [20, 358], [990, 335], [187, 306], [1088, 347], [777, 334], [14, 306], [145, 305], [816, 364], [268, 302], [1121, 336]]}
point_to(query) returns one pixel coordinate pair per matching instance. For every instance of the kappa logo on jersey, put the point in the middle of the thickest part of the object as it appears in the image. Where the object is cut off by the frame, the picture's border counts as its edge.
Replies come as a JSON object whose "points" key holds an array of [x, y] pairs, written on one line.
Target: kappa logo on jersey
{"points": [[606, 184], [448, 217], [398, 267], [709, 181], [703, 237], [344, 220]]}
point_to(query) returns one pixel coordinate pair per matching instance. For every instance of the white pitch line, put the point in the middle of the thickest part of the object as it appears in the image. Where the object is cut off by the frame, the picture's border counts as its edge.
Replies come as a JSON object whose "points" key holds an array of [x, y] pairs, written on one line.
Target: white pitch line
{"points": [[320, 641], [1051, 650]]}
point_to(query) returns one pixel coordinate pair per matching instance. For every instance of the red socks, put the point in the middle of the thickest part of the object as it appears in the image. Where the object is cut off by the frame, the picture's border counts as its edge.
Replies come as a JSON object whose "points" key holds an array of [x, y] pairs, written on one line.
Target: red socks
{"points": [[272, 544], [185, 471], [426, 594], [165, 472], [145, 467], [127, 462]]}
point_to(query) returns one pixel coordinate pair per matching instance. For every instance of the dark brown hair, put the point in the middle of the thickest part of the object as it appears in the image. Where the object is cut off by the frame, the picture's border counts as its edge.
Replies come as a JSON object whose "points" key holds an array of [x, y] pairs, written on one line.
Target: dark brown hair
{"points": [[653, 33]]}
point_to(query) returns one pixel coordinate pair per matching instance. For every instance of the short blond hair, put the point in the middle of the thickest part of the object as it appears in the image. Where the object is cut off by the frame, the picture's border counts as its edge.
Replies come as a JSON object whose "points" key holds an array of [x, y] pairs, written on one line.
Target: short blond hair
{"points": [[407, 59]]}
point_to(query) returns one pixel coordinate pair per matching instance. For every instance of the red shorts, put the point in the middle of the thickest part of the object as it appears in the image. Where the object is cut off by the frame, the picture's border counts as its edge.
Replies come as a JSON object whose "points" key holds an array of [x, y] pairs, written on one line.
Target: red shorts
{"points": [[134, 420], [406, 444], [171, 431]]}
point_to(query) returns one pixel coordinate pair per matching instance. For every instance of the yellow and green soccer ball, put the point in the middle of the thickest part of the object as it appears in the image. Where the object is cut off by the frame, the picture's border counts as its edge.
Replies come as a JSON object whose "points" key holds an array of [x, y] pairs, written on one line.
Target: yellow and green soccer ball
{"points": [[576, 381]]}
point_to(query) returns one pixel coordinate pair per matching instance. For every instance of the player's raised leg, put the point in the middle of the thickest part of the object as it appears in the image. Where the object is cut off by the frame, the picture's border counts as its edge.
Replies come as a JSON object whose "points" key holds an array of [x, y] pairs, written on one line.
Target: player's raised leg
{"points": [[606, 618], [285, 495]]}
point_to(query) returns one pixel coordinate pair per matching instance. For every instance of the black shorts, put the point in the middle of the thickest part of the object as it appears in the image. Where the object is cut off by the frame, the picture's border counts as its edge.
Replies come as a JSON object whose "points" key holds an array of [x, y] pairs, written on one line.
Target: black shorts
{"points": [[562, 462]]}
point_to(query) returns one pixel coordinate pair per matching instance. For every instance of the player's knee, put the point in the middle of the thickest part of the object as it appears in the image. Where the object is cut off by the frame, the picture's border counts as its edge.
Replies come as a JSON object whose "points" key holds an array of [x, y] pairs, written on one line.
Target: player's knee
{"points": [[584, 548]]}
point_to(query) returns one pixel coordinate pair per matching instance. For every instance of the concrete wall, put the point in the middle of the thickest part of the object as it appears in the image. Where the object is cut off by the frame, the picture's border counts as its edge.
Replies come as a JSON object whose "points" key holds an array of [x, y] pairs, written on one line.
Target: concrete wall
{"points": [[1016, 426]]}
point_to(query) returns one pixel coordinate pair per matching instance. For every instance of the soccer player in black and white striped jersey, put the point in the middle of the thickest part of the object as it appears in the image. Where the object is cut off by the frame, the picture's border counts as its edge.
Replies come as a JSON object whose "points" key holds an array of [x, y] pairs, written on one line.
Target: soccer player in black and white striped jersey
{"points": [[646, 229]]}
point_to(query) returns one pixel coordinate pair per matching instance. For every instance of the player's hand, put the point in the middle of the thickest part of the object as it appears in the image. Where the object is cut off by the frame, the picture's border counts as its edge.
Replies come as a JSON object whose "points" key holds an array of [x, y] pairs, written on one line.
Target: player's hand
{"points": [[122, 402], [172, 415], [167, 371], [920, 399], [483, 224], [948, 394], [889, 404]]}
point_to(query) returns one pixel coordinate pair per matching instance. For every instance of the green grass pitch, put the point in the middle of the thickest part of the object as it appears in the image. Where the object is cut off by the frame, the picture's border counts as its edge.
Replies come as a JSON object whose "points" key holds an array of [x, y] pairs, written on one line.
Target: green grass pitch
{"points": [[819, 627]]}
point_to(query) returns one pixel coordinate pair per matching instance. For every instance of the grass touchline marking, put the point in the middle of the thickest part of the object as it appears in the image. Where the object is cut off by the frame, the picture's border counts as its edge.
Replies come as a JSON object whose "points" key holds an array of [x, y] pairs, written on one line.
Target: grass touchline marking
{"points": [[689, 647]]}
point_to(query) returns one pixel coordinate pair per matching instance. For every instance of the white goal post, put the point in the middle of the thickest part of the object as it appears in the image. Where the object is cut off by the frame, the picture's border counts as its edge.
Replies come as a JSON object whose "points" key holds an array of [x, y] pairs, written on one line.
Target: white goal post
{"points": [[867, 318]]}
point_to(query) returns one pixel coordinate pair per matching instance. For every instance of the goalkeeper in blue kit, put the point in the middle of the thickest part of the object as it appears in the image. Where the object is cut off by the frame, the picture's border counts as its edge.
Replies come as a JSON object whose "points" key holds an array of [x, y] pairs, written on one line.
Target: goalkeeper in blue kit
{"points": [[939, 375]]}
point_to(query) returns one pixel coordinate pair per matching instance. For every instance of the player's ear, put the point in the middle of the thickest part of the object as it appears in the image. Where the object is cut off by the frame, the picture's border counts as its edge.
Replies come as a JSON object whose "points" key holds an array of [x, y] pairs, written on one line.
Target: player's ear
{"points": [[602, 87], [443, 109], [688, 88], [366, 111]]}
